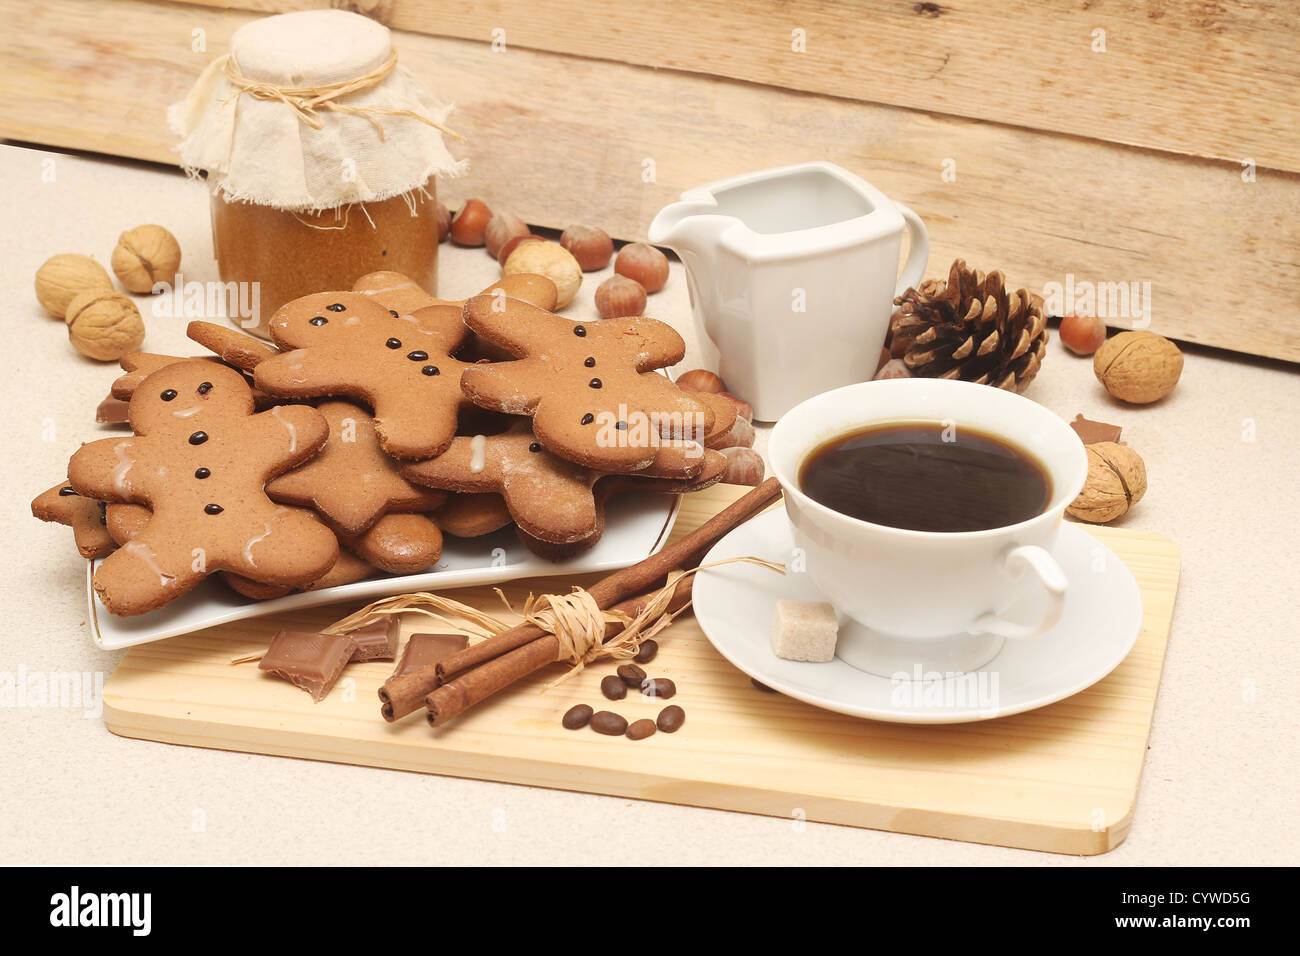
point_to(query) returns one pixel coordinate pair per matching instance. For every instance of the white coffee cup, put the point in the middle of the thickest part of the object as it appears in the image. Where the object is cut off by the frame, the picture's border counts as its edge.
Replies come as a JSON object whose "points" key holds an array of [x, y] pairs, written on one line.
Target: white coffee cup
{"points": [[943, 601]]}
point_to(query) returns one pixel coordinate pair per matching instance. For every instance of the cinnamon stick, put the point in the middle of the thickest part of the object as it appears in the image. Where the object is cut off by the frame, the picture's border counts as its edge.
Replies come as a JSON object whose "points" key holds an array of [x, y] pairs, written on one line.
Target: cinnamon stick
{"points": [[479, 683], [405, 695]]}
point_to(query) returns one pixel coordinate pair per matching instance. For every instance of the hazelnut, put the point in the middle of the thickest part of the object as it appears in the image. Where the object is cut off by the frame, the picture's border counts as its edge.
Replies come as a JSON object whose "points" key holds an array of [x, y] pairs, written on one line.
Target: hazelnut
{"points": [[145, 255], [1117, 480], [61, 278], [444, 222], [744, 466], [501, 227], [894, 368], [740, 435], [1138, 367], [743, 408], [618, 296], [1082, 334], [548, 259], [469, 226], [700, 380], [592, 247], [513, 243], [644, 263], [104, 325]]}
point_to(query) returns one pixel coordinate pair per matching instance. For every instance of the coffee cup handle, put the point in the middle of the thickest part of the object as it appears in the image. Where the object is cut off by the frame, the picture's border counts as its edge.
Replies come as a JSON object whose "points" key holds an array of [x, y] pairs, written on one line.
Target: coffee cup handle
{"points": [[917, 255], [1050, 575]]}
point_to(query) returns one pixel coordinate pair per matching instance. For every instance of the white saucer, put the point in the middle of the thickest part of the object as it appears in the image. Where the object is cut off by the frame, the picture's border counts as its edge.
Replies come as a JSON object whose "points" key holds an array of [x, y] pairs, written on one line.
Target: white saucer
{"points": [[1103, 615]]}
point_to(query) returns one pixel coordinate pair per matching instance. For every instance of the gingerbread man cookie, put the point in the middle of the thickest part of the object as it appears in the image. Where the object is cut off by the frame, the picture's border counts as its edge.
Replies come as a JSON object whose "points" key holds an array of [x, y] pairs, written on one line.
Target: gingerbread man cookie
{"points": [[351, 483], [609, 487], [398, 543], [345, 344], [234, 348], [472, 515], [549, 497], [199, 460], [85, 516], [590, 388]]}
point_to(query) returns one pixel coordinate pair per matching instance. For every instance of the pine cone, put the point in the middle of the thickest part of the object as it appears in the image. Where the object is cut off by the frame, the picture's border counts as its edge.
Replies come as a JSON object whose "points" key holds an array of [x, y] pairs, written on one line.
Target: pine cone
{"points": [[970, 328]]}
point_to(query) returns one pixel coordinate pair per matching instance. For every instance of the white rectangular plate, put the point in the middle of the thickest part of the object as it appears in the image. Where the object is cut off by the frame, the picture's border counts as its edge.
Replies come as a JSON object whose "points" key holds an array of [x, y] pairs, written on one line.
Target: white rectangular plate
{"points": [[636, 526]]}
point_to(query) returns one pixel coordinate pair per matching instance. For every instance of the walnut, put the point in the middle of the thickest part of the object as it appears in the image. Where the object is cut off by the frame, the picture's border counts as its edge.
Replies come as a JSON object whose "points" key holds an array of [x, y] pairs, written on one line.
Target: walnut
{"points": [[1117, 480], [1138, 367], [62, 277], [145, 255], [104, 325]]}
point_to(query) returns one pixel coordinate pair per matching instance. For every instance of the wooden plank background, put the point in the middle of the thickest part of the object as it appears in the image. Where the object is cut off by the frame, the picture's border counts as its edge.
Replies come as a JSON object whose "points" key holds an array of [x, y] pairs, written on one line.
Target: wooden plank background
{"points": [[560, 137]]}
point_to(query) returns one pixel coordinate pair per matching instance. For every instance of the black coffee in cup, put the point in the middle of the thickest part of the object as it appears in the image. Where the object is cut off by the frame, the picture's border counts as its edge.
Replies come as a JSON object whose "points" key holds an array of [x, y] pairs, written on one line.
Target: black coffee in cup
{"points": [[927, 476]]}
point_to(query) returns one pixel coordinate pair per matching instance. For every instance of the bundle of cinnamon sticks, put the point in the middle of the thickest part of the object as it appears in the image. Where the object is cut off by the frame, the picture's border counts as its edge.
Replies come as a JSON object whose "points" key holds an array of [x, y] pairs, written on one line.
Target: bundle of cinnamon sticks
{"points": [[457, 683]]}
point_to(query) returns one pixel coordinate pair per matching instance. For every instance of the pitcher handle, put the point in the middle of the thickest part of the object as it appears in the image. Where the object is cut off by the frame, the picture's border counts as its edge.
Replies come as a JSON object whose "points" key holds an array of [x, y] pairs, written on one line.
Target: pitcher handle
{"points": [[918, 253], [1050, 575]]}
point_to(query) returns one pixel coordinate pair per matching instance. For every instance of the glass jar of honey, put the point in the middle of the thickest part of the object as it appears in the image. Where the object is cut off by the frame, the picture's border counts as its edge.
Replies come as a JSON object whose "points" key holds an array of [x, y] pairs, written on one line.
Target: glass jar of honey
{"points": [[322, 156]]}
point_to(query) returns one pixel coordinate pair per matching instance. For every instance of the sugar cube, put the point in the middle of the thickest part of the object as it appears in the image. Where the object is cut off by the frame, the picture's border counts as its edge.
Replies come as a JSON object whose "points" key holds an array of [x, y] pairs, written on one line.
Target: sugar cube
{"points": [[804, 631]]}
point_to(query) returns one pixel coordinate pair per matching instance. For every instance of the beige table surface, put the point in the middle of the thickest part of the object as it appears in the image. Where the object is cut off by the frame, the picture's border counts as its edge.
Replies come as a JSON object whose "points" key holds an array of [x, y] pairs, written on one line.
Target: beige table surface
{"points": [[1219, 785]]}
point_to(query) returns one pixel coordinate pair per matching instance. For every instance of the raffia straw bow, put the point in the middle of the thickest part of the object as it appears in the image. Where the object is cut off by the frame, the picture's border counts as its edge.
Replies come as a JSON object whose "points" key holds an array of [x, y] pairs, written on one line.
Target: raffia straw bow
{"points": [[575, 619], [307, 101]]}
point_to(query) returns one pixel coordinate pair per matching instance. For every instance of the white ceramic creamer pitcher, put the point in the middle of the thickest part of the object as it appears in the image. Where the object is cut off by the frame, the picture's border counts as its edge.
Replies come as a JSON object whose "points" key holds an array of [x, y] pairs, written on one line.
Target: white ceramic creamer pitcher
{"points": [[792, 274]]}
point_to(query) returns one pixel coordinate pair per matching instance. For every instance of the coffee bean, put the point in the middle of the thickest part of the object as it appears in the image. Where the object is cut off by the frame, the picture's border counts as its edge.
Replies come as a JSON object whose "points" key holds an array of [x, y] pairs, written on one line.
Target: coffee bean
{"points": [[761, 686], [641, 729], [660, 687], [577, 717], [671, 719], [646, 652], [613, 688], [608, 723], [632, 675]]}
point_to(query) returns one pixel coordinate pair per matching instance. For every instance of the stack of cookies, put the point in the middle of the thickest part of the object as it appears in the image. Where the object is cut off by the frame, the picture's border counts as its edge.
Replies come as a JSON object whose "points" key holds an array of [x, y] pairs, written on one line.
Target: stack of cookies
{"points": [[382, 419]]}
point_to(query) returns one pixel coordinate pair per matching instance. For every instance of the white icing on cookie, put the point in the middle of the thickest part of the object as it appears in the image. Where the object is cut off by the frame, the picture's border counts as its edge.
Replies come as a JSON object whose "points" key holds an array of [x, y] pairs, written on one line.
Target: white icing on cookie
{"points": [[146, 554], [293, 432], [124, 463], [477, 453]]}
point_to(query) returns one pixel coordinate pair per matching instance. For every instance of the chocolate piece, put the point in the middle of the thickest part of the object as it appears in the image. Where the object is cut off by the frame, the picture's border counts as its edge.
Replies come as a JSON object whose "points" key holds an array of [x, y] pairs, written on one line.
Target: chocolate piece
{"points": [[112, 411], [577, 717], [1090, 432], [608, 723], [424, 649], [308, 660], [613, 688], [641, 729], [377, 641], [671, 719]]}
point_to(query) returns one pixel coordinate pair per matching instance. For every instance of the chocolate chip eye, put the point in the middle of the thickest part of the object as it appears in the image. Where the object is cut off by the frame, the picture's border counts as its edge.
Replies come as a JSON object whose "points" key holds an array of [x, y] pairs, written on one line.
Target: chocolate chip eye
{"points": [[66, 490], [205, 388], [213, 509], [430, 370], [535, 447], [168, 395], [394, 313], [621, 426], [595, 383], [590, 361], [201, 473], [417, 356], [394, 343], [319, 320], [579, 330], [588, 418], [337, 307], [198, 438]]}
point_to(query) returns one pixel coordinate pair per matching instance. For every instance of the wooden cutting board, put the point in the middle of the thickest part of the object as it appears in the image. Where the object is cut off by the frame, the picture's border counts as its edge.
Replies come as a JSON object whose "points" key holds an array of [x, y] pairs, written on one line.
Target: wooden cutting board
{"points": [[1062, 779]]}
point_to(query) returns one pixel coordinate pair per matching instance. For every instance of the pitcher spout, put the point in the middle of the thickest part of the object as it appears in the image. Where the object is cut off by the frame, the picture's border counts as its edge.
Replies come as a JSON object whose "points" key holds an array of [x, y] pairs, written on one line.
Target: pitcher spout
{"points": [[687, 226]]}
